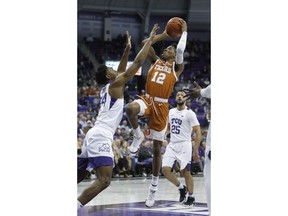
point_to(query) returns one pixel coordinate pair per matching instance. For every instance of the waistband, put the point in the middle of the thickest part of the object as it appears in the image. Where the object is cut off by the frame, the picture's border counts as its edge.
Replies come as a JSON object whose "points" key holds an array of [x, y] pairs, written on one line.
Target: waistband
{"points": [[158, 99]]}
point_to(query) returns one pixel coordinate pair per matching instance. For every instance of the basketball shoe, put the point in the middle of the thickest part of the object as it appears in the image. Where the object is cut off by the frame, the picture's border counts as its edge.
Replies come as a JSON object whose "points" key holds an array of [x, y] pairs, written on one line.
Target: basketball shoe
{"points": [[189, 201], [182, 192], [134, 147], [151, 196]]}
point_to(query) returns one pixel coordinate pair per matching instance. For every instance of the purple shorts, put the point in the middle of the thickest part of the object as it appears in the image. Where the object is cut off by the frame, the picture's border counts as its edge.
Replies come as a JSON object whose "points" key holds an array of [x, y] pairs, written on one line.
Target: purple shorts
{"points": [[94, 162]]}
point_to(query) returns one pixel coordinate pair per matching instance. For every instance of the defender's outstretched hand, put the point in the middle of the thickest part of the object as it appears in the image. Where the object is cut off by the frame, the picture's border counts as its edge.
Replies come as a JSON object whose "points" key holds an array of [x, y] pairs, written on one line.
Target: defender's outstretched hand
{"points": [[128, 40], [153, 31], [194, 92]]}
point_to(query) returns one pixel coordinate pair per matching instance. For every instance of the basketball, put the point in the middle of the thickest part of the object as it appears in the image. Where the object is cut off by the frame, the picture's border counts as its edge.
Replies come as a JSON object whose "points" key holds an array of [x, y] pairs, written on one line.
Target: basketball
{"points": [[174, 27]]}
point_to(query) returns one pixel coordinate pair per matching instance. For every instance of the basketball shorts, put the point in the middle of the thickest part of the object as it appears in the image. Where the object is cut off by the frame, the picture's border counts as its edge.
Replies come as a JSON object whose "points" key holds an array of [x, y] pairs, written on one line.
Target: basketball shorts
{"points": [[181, 152], [157, 112], [97, 149]]}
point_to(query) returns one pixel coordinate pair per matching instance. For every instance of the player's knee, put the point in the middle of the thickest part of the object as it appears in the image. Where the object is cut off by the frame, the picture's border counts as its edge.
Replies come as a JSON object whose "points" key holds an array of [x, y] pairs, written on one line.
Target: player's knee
{"points": [[132, 109], [166, 170], [186, 172], [105, 181]]}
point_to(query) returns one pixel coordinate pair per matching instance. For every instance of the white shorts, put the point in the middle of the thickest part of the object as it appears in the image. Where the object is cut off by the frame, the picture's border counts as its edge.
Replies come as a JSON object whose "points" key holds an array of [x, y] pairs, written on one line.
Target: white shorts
{"points": [[181, 152], [142, 106], [97, 142]]}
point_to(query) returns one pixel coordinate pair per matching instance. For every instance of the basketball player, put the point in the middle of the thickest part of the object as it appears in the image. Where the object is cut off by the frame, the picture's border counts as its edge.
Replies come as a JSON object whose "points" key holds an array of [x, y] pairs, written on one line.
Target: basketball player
{"points": [[159, 85], [97, 153], [183, 123], [196, 92]]}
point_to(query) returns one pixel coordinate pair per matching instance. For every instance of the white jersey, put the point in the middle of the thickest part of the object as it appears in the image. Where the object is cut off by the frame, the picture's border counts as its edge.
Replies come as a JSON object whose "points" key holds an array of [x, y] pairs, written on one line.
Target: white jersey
{"points": [[181, 123], [206, 92], [111, 111]]}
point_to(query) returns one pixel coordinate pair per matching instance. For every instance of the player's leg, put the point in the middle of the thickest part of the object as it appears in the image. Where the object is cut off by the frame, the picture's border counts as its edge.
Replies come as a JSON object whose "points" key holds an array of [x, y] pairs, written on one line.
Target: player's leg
{"points": [[167, 164], [167, 171], [157, 125], [158, 138], [157, 157], [133, 110], [81, 170], [190, 185], [104, 175], [100, 161], [207, 179], [184, 159]]}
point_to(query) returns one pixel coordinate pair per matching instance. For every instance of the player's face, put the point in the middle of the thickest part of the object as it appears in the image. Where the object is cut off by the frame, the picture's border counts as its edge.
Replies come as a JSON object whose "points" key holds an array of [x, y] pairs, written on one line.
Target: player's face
{"points": [[169, 53], [180, 98], [111, 73]]}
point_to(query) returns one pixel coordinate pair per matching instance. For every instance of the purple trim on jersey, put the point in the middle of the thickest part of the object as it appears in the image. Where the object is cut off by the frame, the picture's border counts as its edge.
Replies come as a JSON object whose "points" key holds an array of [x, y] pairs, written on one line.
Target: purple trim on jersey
{"points": [[96, 162], [112, 102]]}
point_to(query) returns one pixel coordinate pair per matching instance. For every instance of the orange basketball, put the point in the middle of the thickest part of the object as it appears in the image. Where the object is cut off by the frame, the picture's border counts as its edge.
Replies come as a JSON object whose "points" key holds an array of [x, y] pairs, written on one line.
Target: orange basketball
{"points": [[174, 27]]}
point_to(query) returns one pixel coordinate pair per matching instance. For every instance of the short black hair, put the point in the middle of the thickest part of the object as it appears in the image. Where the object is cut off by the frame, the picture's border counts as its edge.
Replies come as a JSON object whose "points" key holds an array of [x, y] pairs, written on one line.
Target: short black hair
{"points": [[100, 75]]}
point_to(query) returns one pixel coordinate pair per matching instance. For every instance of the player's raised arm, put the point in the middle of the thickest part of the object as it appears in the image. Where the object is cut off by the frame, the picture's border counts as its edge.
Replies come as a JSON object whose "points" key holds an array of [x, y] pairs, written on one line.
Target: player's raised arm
{"points": [[152, 55], [123, 78], [125, 56], [197, 91], [180, 49]]}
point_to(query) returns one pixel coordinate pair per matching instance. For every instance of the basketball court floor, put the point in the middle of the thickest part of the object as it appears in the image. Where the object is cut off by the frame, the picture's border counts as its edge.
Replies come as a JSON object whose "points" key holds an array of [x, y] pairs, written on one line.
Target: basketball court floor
{"points": [[126, 196]]}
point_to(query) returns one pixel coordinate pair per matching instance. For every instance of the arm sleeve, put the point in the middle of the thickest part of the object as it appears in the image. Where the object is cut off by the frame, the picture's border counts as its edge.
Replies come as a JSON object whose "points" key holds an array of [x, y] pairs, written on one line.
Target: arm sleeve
{"points": [[206, 92], [180, 48]]}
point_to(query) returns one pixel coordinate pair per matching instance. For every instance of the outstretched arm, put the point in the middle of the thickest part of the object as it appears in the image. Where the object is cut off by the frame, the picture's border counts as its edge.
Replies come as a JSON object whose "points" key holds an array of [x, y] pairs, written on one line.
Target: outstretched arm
{"points": [[197, 91], [141, 56], [116, 87], [124, 59], [158, 37], [152, 55]]}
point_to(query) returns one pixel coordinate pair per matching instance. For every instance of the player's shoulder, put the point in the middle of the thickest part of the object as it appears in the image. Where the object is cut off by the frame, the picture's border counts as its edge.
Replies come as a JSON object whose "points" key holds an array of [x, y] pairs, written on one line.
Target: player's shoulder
{"points": [[190, 111], [105, 88], [172, 110]]}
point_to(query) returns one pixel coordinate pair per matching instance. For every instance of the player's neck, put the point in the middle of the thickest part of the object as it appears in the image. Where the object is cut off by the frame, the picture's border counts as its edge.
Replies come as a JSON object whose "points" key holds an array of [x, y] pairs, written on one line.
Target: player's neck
{"points": [[169, 60], [181, 107]]}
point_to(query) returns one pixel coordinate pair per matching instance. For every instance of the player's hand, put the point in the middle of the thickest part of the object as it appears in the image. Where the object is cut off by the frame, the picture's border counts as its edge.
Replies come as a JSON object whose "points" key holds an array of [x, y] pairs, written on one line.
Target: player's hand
{"points": [[128, 40], [153, 31], [166, 34], [194, 92], [184, 25]]}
